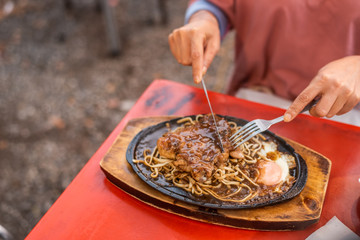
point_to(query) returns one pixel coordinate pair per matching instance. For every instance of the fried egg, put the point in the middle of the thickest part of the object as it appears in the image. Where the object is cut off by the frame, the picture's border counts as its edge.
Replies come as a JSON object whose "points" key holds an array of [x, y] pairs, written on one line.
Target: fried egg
{"points": [[275, 169]]}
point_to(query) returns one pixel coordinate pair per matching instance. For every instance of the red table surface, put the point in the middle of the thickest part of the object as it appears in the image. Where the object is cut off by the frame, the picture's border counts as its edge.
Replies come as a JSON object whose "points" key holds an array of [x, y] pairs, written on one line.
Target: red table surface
{"points": [[92, 208]]}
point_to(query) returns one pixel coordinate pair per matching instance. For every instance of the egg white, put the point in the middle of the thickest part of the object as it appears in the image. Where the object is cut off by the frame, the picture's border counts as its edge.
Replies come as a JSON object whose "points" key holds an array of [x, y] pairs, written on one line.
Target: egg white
{"points": [[284, 167]]}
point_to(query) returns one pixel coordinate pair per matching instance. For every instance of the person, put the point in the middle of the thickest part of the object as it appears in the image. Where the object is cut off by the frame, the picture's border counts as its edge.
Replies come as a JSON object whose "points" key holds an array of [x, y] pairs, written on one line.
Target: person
{"points": [[299, 49]]}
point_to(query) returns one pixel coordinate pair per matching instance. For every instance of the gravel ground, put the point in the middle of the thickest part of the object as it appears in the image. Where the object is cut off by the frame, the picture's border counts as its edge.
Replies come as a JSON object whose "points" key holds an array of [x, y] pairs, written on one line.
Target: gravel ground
{"points": [[61, 94]]}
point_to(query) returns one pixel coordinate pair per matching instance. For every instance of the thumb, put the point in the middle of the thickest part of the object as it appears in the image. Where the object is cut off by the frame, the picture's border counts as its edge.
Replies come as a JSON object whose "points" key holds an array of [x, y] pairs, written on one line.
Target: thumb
{"points": [[211, 50]]}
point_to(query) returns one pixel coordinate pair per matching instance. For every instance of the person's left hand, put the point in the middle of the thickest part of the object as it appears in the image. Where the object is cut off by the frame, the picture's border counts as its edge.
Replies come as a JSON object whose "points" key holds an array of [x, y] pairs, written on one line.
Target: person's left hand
{"points": [[338, 86]]}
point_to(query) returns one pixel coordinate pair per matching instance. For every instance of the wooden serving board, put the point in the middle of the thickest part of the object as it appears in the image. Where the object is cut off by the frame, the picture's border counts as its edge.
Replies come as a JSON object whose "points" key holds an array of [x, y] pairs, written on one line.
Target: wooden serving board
{"points": [[295, 214]]}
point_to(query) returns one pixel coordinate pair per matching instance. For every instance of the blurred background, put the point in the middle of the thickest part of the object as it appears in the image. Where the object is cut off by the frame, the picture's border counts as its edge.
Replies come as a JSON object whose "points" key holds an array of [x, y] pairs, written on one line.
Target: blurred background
{"points": [[69, 72]]}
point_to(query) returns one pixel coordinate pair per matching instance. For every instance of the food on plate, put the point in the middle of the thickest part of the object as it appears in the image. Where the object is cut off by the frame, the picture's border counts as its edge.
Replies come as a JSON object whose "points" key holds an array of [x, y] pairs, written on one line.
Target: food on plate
{"points": [[190, 157], [194, 148]]}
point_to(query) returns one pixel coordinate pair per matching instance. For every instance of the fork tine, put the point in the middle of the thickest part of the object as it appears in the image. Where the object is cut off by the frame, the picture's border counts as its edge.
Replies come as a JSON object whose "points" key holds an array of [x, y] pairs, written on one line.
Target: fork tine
{"points": [[249, 137], [248, 132], [243, 134], [242, 129]]}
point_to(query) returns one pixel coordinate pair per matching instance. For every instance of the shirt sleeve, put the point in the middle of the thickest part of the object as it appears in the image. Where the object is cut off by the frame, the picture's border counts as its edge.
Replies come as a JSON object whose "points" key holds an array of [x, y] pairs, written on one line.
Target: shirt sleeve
{"points": [[205, 5]]}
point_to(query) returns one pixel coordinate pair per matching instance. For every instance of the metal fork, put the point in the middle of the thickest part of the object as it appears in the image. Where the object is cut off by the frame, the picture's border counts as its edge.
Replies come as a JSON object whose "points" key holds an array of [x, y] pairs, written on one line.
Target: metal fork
{"points": [[257, 126]]}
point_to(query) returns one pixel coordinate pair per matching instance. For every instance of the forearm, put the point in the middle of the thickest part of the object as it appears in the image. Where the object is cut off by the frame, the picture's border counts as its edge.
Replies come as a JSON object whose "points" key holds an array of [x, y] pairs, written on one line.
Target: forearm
{"points": [[203, 5], [203, 15]]}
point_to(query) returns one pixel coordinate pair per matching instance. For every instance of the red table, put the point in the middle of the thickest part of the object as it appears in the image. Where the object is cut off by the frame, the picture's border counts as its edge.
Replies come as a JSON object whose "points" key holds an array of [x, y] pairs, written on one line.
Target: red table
{"points": [[92, 208]]}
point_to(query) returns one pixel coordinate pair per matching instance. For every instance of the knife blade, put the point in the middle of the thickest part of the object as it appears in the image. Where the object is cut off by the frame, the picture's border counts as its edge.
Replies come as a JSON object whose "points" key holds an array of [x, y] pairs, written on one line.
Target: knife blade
{"points": [[212, 113]]}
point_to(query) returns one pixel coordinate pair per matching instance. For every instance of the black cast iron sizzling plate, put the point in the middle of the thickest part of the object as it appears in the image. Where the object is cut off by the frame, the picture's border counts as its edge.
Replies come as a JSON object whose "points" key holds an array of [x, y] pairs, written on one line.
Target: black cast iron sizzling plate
{"points": [[146, 139]]}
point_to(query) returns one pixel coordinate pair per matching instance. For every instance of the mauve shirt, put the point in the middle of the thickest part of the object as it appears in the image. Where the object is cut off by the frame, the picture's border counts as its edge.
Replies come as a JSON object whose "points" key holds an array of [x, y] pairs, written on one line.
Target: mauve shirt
{"points": [[282, 44]]}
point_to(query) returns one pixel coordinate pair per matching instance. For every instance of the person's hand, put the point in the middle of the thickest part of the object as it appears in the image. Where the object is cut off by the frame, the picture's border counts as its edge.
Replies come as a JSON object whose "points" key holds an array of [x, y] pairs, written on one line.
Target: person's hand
{"points": [[338, 86], [196, 43]]}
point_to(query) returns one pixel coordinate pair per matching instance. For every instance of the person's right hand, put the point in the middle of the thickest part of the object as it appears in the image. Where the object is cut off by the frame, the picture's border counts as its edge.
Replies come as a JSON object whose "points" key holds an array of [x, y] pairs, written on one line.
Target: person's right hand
{"points": [[196, 43]]}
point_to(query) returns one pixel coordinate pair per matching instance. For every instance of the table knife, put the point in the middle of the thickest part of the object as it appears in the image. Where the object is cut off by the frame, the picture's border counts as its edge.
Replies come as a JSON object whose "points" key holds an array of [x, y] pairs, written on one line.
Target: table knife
{"points": [[212, 113]]}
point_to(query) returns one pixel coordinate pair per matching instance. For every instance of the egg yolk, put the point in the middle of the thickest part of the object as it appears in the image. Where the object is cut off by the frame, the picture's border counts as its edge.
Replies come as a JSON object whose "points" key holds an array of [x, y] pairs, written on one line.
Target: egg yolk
{"points": [[270, 173]]}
